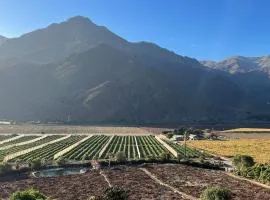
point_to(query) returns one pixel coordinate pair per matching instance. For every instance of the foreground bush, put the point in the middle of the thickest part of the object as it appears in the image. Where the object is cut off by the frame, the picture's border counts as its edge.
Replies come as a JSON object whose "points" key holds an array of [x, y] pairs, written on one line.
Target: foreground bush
{"points": [[216, 193], [35, 164], [240, 161], [30, 194], [112, 193], [121, 157]]}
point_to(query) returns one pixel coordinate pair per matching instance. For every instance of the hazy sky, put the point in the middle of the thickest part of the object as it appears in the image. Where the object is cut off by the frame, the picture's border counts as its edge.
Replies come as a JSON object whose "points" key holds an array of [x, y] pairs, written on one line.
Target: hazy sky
{"points": [[204, 29]]}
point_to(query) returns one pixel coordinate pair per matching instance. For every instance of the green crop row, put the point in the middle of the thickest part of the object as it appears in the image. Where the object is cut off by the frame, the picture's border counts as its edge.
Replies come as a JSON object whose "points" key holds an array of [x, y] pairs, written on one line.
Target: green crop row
{"points": [[15, 149], [88, 150], [19, 140]]}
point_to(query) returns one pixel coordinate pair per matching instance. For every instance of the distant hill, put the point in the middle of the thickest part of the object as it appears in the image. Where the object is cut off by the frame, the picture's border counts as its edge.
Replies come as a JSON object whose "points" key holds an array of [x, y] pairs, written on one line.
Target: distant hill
{"points": [[84, 73], [240, 64]]}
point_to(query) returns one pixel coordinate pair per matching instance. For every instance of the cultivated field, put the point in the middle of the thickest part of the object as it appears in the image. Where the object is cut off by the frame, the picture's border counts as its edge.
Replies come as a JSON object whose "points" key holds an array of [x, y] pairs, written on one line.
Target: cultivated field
{"points": [[179, 182], [78, 147], [248, 130], [257, 148]]}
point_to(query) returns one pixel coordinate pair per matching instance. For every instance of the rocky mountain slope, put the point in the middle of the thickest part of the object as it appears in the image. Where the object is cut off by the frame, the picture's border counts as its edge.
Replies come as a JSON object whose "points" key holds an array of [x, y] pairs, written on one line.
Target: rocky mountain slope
{"points": [[78, 71]]}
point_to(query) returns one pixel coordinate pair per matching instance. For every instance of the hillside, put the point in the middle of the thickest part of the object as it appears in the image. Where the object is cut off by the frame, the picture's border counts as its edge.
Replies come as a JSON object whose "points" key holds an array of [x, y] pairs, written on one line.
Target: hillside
{"points": [[84, 73]]}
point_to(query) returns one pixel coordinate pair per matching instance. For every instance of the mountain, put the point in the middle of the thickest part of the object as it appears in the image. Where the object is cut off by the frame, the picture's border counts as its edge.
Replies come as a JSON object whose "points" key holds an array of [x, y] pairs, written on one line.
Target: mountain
{"points": [[240, 64], [84, 73], [2, 39]]}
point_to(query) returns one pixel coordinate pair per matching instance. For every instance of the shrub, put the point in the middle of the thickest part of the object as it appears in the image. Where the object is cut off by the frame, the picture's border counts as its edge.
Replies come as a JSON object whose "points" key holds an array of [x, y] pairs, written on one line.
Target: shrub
{"points": [[35, 164], [115, 193], [240, 161], [30, 194], [165, 156], [60, 161], [169, 135], [121, 157], [216, 193]]}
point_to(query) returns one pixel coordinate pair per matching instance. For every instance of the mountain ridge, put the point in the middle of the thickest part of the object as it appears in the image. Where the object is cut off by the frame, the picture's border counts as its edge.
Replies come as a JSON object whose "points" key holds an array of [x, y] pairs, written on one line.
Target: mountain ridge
{"points": [[83, 72]]}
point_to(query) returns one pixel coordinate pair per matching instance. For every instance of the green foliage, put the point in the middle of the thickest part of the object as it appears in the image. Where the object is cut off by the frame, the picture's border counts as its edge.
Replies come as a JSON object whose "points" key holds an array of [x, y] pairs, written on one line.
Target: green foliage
{"points": [[260, 172], [35, 164], [165, 156], [115, 193], [120, 157], [4, 168], [169, 135], [243, 161], [60, 161], [216, 193], [30, 194]]}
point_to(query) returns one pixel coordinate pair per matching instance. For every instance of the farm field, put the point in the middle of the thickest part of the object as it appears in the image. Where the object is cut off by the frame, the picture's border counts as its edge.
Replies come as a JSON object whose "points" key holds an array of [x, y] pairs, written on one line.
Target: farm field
{"points": [[88, 147], [12, 150], [257, 148], [5, 137], [48, 152], [19, 140], [188, 180]]}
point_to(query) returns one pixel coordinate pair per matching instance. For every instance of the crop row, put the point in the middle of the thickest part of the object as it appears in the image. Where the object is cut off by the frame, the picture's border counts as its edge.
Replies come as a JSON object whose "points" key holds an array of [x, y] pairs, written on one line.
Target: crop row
{"points": [[48, 152], [150, 147], [5, 137], [125, 144], [89, 149], [180, 149], [15, 149], [19, 140]]}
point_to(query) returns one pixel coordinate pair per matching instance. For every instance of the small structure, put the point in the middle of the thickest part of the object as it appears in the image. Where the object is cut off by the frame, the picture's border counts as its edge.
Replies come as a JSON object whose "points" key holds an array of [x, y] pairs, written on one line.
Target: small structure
{"points": [[178, 137], [193, 137], [5, 123]]}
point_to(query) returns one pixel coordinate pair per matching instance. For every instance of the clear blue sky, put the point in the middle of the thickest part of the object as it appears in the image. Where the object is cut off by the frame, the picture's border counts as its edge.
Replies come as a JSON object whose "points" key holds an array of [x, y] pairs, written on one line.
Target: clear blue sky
{"points": [[203, 29]]}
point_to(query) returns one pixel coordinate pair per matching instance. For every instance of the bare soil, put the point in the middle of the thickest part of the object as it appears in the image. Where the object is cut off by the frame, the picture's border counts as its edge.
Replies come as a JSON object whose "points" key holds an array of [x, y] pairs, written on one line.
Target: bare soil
{"points": [[194, 180], [186, 179]]}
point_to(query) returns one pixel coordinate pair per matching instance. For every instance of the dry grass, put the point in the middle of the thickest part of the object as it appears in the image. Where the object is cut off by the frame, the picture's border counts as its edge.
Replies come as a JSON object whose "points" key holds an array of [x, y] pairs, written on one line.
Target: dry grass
{"points": [[248, 130], [259, 149]]}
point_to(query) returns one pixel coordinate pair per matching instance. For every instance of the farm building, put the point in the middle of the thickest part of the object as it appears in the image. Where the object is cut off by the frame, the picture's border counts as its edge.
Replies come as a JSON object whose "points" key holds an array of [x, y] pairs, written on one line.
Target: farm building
{"points": [[5, 123]]}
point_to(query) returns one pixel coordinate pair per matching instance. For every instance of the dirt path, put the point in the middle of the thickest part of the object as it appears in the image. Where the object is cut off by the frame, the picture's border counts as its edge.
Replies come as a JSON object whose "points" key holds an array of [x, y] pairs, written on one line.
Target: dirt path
{"points": [[152, 176], [106, 178]]}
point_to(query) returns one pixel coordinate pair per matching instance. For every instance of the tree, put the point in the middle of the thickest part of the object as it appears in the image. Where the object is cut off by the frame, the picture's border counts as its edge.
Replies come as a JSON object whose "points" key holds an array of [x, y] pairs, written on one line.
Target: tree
{"points": [[30, 194], [60, 161], [121, 157], [216, 193], [169, 135]]}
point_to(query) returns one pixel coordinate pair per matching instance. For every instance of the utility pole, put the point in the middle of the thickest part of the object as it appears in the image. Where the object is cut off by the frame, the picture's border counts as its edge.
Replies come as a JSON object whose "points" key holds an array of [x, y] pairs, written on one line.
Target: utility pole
{"points": [[185, 144]]}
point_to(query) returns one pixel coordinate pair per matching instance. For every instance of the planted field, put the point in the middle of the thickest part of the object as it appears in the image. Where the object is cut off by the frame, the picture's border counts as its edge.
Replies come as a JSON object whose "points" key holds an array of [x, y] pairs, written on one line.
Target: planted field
{"points": [[20, 140], [150, 147], [180, 149], [48, 152], [125, 144], [12, 150], [5, 137], [257, 148], [247, 130], [15, 149], [89, 149]]}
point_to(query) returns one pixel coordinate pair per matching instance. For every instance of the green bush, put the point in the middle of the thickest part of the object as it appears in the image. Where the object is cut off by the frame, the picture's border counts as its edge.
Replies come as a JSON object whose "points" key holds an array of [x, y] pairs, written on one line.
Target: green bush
{"points": [[115, 193], [169, 135], [240, 161], [165, 156], [121, 157], [216, 193], [35, 164], [30, 194]]}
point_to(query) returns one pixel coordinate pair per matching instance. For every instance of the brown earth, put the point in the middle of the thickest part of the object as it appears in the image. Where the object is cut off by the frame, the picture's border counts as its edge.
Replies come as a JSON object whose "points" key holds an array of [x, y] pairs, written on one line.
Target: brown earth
{"points": [[189, 180]]}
